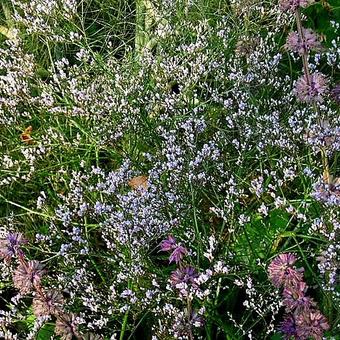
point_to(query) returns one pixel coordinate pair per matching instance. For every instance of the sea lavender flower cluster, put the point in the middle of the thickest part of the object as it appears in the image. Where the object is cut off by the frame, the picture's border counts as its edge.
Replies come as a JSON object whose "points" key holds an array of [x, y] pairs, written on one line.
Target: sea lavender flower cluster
{"points": [[327, 192], [155, 157], [44, 17], [324, 136], [302, 320]]}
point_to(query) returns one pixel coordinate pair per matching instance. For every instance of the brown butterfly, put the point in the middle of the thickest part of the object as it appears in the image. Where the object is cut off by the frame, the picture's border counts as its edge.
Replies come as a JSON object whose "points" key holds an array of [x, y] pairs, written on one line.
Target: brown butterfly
{"points": [[26, 135], [139, 182]]}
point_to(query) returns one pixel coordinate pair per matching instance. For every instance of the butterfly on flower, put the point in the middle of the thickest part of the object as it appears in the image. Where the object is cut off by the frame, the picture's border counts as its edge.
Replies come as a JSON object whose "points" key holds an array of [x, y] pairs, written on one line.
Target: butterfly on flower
{"points": [[139, 182], [26, 135]]}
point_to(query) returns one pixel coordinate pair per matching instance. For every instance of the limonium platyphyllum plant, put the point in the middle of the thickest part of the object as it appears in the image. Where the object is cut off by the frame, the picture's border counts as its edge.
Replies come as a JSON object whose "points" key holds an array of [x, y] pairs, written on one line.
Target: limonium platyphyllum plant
{"points": [[169, 169]]}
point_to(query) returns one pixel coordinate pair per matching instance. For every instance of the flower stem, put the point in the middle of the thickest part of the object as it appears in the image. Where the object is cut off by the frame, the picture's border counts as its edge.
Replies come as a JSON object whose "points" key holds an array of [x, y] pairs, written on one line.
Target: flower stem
{"points": [[302, 38], [191, 337], [325, 165], [122, 332], [326, 176]]}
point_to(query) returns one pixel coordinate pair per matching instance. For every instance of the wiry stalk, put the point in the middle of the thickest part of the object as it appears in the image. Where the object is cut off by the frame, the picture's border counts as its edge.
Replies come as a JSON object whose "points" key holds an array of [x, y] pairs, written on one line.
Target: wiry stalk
{"points": [[305, 53], [324, 158], [191, 336]]}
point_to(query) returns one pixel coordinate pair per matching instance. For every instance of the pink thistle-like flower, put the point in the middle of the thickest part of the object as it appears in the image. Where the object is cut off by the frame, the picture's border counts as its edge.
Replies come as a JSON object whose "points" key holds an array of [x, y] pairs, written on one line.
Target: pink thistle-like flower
{"points": [[281, 270], [311, 324], [310, 41], [292, 5], [168, 244], [178, 254], [184, 275], [11, 246], [49, 303], [312, 92], [178, 251], [28, 276], [295, 299], [66, 327], [288, 327]]}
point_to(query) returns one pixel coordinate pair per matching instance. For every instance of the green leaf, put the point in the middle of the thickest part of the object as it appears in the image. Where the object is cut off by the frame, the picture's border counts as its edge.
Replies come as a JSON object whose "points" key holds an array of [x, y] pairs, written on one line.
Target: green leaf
{"points": [[7, 13], [46, 332]]}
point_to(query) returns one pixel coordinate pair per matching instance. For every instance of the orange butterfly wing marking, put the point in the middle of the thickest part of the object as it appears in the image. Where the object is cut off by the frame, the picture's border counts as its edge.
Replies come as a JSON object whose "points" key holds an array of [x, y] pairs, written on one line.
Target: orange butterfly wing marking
{"points": [[26, 135], [139, 182]]}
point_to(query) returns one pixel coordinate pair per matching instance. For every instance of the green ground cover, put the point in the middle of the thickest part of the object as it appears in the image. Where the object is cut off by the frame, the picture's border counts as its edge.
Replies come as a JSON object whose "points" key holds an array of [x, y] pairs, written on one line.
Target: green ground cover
{"points": [[169, 169]]}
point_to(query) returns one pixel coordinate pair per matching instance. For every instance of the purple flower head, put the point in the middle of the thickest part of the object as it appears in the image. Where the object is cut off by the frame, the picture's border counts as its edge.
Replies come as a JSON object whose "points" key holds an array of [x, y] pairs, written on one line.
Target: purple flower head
{"points": [[48, 303], [28, 276], [178, 251], [313, 91], [292, 5], [184, 275], [281, 270], [309, 42], [336, 93], [288, 327], [10, 246], [168, 244], [311, 324], [66, 326], [295, 299], [177, 255]]}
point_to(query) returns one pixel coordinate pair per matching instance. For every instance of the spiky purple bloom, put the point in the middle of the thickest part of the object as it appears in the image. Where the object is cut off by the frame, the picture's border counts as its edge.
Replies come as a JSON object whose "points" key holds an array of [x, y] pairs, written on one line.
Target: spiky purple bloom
{"points": [[11, 246], [66, 327], [48, 303], [313, 91], [292, 5], [311, 324], [336, 93], [184, 275], [309, 42], [168, 244], [28, 276], [177, 255], [295, 299], [281, 270], [178, 251], [288, 326]]}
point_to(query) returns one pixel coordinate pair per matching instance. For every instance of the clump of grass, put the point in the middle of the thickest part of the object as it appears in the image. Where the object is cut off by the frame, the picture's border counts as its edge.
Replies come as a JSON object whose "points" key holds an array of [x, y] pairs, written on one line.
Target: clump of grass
{"points": [[156, 158]]}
